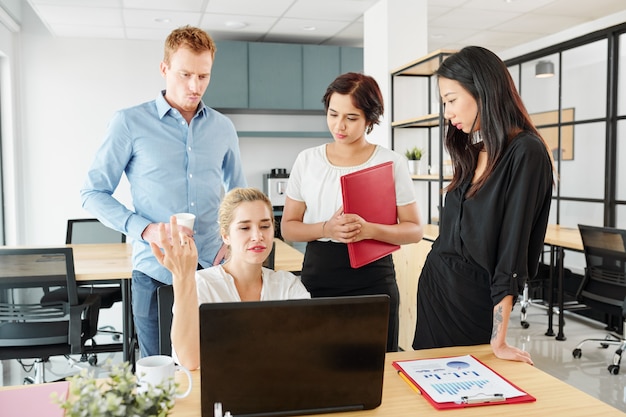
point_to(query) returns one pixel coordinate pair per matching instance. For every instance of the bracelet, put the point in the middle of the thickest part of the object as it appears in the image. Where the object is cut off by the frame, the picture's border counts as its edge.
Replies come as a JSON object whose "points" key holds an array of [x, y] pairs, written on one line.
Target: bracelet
{"points": [[323, 234]]}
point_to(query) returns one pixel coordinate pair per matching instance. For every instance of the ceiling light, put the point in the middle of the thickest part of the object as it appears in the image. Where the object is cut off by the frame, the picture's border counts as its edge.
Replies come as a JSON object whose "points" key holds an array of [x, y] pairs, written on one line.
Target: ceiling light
{"points": [[544, 69], [162, 20], [235, 24], [309, 28]]}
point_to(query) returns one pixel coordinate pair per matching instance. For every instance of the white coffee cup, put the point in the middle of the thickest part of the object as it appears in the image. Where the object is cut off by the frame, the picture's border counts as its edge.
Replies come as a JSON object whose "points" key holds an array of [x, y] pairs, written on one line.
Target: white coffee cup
{"points": [[185, 219], [159, 370]]}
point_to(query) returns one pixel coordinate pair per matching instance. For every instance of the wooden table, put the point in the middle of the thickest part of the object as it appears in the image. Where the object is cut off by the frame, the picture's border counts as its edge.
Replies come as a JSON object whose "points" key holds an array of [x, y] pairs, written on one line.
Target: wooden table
{"points": [[559, 238], [112, 263], [109, 263], [287, 258], [554, 397]]}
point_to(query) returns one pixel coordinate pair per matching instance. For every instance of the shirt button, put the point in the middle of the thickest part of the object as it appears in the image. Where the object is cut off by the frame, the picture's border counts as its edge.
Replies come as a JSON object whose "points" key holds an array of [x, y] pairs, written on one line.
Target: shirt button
{"points": [[189, 148], [193, 204], [182, 122], [514, 275], [190, 175]]}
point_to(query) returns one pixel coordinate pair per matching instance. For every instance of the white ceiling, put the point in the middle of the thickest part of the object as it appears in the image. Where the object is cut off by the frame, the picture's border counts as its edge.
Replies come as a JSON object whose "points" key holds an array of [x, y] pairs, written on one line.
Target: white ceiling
{"points": [[452, 24]]}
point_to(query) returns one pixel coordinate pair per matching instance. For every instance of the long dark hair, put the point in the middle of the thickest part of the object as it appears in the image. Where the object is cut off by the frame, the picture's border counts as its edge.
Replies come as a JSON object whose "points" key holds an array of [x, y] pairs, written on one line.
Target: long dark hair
{"points": [[365, 93], [501, 113]]}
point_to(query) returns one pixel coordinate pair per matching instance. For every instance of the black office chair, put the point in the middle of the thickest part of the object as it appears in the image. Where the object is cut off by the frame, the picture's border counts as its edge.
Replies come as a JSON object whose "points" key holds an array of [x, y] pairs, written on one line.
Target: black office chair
{"points": [[32, 329], [604, 284], [531, 286], [93, 231], [271, 259], [165, 302]]}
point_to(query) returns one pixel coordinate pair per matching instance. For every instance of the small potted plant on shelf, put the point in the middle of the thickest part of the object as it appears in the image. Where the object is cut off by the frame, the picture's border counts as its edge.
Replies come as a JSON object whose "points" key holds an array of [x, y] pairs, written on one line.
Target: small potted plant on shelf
{"points": [[414, 155], [115, 395]]}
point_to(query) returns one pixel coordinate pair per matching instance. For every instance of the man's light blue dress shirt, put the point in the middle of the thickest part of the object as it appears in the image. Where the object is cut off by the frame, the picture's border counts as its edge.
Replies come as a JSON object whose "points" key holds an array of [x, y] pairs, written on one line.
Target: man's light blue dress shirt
{"points": [[172, 167]]}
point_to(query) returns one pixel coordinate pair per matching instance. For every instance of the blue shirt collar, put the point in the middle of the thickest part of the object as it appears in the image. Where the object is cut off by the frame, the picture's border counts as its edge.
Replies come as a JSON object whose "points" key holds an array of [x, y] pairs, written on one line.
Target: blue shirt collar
{"points": [[163, 106]]}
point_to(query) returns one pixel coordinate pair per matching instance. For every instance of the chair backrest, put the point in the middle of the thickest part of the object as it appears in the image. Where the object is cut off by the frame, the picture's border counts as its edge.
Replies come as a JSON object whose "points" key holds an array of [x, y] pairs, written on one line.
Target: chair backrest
{"points": [[91, 231], [604, 284], [25, 273], [271, 259], [165, 301]]}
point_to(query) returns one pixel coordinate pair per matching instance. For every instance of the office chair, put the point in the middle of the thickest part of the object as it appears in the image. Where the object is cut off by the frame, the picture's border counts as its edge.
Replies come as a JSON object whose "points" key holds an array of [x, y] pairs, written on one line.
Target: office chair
{"points": [[271, 259], [530, 286], [604, 284], [165, 302], [93, 231], [32, 329]]}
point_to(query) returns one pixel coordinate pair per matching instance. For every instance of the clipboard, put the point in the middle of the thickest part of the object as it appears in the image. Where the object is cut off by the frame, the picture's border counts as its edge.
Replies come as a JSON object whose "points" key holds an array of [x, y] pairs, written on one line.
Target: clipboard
{"points": [[474, 366], [370, 193]]}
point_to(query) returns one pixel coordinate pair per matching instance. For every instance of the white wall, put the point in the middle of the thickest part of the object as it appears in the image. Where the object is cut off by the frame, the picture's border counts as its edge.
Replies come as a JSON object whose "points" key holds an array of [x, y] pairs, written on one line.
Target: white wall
{"points": [[62, 93], [69, 90]]}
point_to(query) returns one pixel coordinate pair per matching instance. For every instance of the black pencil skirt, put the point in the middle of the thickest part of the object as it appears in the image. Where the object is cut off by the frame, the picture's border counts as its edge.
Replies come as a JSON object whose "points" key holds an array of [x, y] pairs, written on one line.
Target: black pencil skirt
{"points": [[326, 272]]}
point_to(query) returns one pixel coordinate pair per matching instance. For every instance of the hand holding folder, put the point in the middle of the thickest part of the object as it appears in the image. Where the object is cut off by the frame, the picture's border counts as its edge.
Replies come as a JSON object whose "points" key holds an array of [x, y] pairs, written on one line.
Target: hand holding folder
{"points": [[370, 193]]}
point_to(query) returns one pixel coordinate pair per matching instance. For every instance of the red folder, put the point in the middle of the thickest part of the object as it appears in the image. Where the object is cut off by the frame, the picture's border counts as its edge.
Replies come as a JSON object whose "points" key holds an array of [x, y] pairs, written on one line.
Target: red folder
{"points": [[448, 405], [370, 193]]}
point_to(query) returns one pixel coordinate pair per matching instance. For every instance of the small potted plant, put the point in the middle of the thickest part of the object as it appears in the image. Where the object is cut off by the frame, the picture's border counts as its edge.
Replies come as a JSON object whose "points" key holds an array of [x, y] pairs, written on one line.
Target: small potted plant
{"points": [[414, 155], [115, 395]]}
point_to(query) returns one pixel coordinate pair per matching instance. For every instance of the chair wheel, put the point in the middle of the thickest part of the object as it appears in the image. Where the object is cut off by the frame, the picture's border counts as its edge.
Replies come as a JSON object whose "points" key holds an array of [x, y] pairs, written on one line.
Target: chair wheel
{"points": [[117, 337], [93, 360], [604, 345], [525, 324], [614, 369], [577, 353]]}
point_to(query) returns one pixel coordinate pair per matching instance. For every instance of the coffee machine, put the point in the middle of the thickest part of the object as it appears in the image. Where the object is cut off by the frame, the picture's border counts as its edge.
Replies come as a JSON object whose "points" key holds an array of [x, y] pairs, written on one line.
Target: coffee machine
{"points": [[275, 187]]}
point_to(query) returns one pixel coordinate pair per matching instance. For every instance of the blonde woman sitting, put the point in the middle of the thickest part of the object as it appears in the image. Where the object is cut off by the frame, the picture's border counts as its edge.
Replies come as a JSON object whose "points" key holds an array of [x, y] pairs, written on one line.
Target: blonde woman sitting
{"points": [[246, 222]]}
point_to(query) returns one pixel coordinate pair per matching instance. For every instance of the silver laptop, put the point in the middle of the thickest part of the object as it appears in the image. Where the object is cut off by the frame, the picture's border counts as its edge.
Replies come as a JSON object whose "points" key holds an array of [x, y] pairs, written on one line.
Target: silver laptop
{"points": [[293, 357]]}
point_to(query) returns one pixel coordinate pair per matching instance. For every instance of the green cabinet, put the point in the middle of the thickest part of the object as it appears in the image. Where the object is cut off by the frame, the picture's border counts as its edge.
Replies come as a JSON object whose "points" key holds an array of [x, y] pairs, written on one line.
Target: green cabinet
{"points": [[229, 77], [321, 66], [351, 59], [275, 76]]}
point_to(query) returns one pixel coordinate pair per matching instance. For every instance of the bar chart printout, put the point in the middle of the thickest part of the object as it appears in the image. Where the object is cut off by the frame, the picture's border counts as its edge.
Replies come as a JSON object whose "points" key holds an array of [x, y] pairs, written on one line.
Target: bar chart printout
{"points": [[458, 379]]}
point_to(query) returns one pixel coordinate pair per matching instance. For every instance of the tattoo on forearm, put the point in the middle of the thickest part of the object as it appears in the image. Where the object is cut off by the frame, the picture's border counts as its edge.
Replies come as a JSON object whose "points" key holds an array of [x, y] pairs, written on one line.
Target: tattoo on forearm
{"points": [[497, 322]]}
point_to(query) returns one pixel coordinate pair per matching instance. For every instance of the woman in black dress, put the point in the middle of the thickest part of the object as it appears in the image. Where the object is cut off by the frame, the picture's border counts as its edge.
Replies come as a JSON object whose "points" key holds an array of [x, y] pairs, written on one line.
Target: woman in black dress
{"points": [[496, 209]]}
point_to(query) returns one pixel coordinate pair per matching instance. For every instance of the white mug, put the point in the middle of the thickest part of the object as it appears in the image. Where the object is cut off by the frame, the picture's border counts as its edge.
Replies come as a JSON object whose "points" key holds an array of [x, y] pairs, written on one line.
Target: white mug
{"points": [[158, 370], [185, 219]]}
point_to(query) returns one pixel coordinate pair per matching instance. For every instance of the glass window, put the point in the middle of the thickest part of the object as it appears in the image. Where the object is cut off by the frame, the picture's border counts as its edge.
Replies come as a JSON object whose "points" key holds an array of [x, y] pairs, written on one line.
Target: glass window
{"points": [[514, 70], [578, 212], [540, 94], [584, 78], [621, 77], [582, 171], [620, 175], [620, 221]]}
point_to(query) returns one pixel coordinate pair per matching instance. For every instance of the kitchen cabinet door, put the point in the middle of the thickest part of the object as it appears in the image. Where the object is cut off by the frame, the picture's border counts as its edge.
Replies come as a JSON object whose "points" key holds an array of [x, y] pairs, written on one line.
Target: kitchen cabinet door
{"points": [[351, 59], [275, 76], [229, 77], [321, 66]]}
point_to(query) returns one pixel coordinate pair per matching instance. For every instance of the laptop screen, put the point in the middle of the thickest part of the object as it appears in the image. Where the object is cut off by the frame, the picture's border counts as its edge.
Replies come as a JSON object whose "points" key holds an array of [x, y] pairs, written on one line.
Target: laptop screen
{"points": [[293, 357]]}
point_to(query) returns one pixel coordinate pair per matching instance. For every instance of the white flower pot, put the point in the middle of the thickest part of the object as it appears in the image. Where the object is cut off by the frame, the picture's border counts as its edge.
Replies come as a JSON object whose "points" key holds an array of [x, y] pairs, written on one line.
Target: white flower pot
{"points": [[414, 167]]}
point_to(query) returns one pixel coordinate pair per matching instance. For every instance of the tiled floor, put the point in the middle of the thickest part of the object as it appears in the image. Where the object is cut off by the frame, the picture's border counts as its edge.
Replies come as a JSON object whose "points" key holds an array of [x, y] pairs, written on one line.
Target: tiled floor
{"points": [[588, 373]]}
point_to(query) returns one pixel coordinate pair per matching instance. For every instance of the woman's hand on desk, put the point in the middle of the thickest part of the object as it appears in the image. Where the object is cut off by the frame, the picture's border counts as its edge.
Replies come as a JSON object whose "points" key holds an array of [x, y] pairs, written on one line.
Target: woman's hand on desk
{"points": [[511, 353]]}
